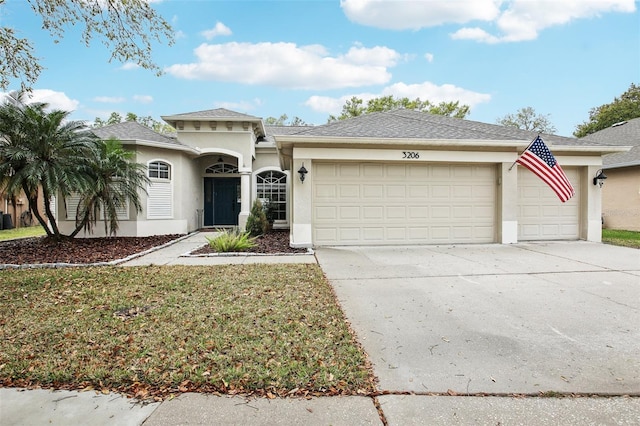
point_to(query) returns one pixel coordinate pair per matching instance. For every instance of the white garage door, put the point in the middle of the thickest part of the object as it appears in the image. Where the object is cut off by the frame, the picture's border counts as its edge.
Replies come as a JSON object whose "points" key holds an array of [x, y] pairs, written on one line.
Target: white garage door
{"points": [[375, 203], [541, 214]]}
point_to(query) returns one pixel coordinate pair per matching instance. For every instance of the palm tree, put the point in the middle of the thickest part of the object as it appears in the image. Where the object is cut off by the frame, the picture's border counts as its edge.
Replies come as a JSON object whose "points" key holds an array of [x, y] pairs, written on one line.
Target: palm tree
{"points": [[43, 151], [116, 180]]}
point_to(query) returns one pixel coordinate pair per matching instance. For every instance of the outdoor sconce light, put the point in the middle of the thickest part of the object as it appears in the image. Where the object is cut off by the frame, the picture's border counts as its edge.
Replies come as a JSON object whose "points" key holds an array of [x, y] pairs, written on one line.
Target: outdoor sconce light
{"points": [[302, 171], [599, 179]]}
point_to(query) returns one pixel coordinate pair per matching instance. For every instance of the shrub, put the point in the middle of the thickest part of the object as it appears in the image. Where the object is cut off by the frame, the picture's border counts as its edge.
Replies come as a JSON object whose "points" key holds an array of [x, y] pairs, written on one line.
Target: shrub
{"points": [[231, 240], [257, 220]]}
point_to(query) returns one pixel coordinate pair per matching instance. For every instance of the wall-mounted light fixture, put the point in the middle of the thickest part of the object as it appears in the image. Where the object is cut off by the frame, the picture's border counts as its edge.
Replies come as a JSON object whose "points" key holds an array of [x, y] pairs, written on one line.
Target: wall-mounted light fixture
{"points": [[599, 179], [220, 159], [302, 171]]}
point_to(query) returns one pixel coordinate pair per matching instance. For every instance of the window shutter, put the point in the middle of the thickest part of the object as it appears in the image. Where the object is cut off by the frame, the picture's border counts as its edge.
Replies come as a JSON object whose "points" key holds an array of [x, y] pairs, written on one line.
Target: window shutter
{"points": [[160, 201]]}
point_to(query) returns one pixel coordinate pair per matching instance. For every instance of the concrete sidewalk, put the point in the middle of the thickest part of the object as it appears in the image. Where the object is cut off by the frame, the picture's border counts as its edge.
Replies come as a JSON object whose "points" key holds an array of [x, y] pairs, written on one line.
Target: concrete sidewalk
{"points": [[178, 254], [403, 405], [42, 407]]}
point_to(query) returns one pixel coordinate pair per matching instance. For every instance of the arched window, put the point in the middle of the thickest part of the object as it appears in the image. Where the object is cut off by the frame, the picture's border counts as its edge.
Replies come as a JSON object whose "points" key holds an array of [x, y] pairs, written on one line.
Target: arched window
{"points": [[159, 170], [220, 168], [272, 186]]}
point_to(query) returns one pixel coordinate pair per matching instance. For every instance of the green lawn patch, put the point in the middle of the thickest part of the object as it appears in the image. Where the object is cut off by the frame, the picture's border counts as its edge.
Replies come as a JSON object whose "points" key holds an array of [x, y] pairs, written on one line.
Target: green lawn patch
{"points": [[26, 232], [621, 238], [151, 332]]}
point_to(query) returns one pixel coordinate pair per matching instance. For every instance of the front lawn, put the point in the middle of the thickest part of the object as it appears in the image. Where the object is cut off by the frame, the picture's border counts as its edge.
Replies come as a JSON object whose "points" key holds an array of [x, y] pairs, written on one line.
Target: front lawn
{"points": [[155, 331], [621, 238], [24, 232]]}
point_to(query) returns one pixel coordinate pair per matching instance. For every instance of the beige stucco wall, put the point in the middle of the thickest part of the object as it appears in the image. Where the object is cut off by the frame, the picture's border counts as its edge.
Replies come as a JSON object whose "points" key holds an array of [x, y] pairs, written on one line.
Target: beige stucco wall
{"points": [[187, 196], [621, 199], [238, 143]]}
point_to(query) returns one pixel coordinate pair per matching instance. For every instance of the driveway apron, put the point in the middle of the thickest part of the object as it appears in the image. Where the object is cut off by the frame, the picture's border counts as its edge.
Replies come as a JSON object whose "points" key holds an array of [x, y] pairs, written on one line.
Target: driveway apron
{"points": [[497, 319]]}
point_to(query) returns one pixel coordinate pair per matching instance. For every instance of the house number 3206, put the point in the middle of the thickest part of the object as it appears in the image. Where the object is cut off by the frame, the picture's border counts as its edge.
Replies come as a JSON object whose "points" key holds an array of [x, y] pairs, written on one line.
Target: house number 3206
{"points": [[410, 155]]}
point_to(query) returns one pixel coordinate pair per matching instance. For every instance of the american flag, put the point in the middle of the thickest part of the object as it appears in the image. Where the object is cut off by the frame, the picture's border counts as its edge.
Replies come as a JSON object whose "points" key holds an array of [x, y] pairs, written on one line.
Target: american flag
{"points": [[541, 161]]}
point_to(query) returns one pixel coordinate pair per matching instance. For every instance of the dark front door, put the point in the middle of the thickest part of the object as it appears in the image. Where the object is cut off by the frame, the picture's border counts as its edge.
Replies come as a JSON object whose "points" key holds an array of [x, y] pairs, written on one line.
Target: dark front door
{"points": [[221, 205]]}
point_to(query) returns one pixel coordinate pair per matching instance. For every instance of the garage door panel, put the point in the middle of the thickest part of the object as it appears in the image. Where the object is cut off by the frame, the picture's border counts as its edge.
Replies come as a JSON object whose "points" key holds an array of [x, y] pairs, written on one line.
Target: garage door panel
{"points": [[396, 191], [327, 213], [349, 170], [328, 191], [418, 213], [372, 191], [349, 191], [541, 215], [405, 203]]}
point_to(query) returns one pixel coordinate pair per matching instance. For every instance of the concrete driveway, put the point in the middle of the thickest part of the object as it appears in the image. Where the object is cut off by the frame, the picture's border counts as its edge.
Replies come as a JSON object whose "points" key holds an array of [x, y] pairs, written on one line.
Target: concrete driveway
{"points": [[524, 318]]}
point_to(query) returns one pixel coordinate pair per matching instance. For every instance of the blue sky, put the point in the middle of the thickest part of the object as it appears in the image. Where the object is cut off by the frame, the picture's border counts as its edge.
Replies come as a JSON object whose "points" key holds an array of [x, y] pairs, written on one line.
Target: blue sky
{"points": [[305, 58]]}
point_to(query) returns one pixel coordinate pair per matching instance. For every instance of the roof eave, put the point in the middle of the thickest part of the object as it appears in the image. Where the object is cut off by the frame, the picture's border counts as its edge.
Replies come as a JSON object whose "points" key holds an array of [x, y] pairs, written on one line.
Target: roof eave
{"points": [[155, 144], [302, 140]]}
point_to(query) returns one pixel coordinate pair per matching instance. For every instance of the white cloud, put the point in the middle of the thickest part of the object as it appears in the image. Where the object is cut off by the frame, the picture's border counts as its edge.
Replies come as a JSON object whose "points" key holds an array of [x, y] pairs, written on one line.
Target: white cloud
{"points": [[179, 35], [56, 100], [109, 99], [425, 91], [429, 57], [240, 106], [129, 66], [413, 15], [288, 65], [513, 20], [220, 29], [143, 99]]}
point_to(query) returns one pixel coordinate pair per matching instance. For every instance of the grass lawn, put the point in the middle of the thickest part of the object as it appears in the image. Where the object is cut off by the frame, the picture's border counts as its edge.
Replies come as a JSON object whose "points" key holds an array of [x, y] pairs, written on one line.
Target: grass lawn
{"points": [[621, 238], [31, 231], [151, 332]]}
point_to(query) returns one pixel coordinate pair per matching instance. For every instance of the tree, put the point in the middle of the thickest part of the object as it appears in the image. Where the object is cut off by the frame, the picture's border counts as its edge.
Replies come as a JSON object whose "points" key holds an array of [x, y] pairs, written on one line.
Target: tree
{"points": [[282, 121], [126, 27], [626, 107], [116, 180], [147, 121], [355, 107], [527, 119], [43, 151]]}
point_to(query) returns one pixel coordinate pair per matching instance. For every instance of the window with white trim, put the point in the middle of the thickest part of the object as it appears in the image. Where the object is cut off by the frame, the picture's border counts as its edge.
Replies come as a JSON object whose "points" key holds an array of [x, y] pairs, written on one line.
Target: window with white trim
{"points": [[272, 186], [159, 170], [160, 192]]}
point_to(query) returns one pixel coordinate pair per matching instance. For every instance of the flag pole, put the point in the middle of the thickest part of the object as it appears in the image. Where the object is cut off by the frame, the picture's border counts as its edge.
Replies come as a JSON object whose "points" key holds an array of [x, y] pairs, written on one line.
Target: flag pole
{"points": [[528, 146]]}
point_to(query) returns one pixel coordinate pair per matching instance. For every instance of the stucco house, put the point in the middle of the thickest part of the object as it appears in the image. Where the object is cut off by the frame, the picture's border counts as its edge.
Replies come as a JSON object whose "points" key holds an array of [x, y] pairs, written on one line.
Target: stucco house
{"points": [[621, 190], [397, 177]]}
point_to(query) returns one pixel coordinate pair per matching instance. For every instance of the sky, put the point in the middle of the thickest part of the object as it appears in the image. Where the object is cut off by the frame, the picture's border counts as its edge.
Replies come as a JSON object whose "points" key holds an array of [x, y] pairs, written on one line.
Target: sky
{"points": [[306, 58]]}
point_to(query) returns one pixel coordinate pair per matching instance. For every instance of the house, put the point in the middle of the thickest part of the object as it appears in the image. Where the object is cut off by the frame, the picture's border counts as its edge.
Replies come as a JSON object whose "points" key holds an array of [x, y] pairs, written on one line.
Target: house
{"points": [[396, 177], [621, 190]]}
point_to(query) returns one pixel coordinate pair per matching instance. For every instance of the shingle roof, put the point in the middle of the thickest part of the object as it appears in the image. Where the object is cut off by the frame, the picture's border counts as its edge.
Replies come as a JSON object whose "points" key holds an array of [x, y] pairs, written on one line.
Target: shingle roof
{"points": [[626, 133], [131, 130], [411, 124], [218, 113]]}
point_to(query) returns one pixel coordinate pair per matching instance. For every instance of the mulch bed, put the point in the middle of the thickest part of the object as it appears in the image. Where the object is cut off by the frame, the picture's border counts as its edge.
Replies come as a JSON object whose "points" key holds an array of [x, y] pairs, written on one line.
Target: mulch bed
{"points": [[41, 250], [273, 242]]}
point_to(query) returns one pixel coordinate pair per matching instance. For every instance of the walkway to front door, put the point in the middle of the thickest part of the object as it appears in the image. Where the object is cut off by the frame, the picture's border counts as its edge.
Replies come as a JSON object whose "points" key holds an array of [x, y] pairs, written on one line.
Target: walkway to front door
{"points": [[221, 206]]}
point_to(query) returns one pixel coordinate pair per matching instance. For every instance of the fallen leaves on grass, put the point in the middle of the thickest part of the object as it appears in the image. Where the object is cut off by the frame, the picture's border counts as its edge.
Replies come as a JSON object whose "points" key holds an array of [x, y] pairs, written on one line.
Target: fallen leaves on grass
{"points": [[150, 332]]}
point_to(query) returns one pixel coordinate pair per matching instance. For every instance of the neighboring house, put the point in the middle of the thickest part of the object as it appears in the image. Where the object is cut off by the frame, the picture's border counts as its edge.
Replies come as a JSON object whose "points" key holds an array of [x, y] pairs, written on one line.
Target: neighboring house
{"points": [[398, 177], [621, 190], [19, 213]]}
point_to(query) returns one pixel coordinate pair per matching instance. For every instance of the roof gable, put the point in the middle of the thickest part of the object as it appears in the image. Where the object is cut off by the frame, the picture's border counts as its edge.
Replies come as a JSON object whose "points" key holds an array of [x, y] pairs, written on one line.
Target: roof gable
{"points": [[412, 124], [626, 133], [218, 113], [132, 131]]}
